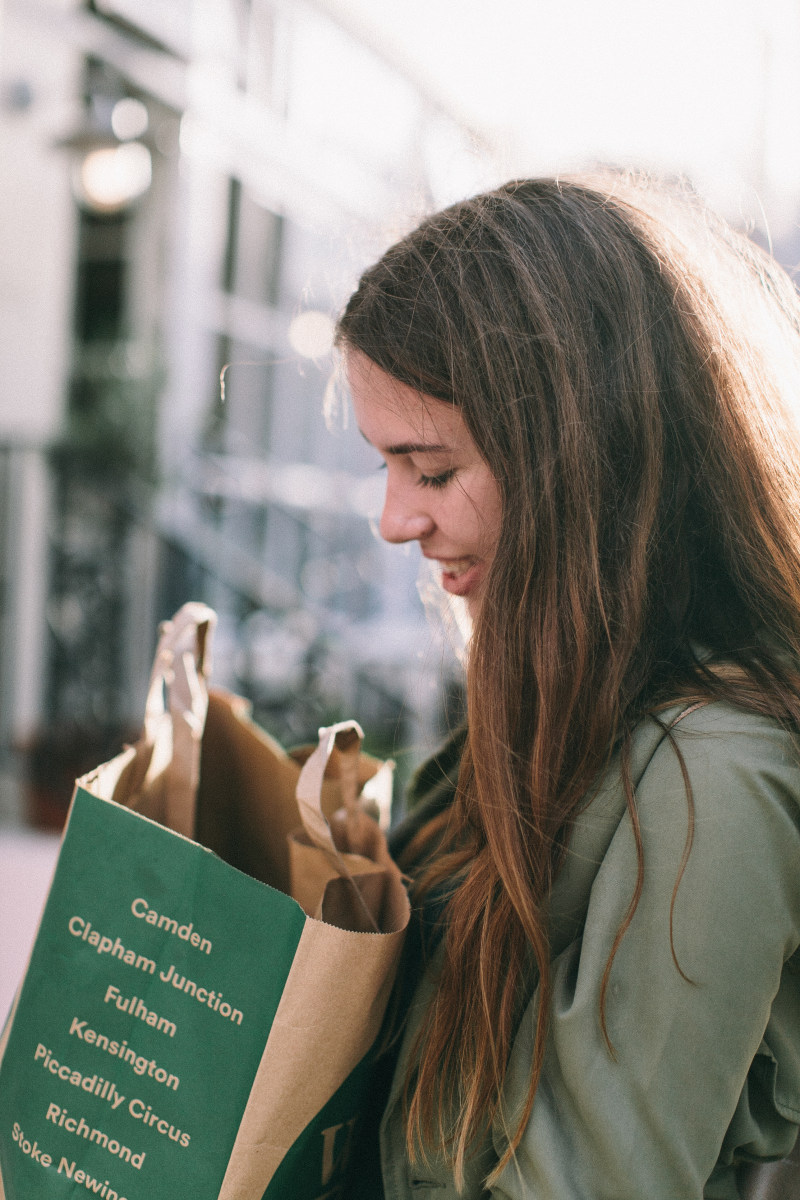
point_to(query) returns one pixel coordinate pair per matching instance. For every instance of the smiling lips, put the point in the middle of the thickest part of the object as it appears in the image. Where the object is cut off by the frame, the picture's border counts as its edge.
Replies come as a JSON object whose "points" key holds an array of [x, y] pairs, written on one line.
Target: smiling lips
{"points": [[459, 575]]}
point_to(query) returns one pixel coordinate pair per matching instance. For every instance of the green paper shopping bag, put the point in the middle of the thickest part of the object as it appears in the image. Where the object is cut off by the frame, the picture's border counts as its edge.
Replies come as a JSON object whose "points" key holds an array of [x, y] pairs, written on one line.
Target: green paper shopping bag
{"points": [[185, 1027]]}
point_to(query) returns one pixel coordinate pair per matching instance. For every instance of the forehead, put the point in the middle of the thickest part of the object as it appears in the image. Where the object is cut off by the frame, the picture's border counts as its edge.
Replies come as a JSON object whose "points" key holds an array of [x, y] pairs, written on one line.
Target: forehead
{"points": [[389, 412]]}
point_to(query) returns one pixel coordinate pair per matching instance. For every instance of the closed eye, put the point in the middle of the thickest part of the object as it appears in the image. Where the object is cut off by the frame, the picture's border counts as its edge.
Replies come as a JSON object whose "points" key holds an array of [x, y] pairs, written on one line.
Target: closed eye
{"points": [[436, 481], [430, 481]]}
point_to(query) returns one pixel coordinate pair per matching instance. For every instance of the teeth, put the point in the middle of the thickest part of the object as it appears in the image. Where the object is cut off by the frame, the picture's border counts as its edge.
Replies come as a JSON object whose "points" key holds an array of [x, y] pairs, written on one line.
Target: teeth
{"points": [[455, 566]]}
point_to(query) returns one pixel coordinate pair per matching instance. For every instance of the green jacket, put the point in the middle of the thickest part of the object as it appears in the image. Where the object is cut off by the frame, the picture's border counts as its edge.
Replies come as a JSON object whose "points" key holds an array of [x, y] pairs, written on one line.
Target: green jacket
{"points": [[707, 1072]]}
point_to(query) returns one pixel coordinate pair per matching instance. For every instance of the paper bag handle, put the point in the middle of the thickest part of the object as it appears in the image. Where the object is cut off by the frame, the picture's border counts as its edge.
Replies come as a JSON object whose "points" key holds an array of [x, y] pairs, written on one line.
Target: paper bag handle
{"points": [[346, 737], [177, 698]]}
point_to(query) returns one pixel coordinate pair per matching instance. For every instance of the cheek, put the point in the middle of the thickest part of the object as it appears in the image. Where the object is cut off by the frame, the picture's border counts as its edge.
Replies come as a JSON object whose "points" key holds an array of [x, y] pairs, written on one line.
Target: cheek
{"points": [[489, 513], [473, 516]]}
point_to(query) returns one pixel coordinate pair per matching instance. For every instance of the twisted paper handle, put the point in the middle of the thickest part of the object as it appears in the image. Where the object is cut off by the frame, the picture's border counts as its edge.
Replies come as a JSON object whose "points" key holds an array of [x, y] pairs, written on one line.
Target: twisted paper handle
{"points": [[346, 737], [177, 698]]}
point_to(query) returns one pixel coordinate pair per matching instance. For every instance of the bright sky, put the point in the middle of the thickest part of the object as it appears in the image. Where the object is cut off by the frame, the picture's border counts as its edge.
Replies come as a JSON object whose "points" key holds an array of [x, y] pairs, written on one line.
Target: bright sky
{"points": [[708, 87]]}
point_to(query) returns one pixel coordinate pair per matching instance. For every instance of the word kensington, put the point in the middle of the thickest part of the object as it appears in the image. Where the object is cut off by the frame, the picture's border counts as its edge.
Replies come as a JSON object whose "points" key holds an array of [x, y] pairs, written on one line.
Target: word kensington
{"points": [[120, 1049]]}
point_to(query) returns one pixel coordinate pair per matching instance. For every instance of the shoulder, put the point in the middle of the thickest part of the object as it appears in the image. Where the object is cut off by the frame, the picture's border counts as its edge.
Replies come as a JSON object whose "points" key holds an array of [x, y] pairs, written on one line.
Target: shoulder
{"points": [[726, 759], [717, 719], [715, 767], [717, 804], [713, 799]]}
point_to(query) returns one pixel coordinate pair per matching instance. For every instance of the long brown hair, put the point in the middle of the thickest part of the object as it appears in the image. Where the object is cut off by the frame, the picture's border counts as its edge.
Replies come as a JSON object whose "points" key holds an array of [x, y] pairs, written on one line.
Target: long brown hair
{"points": [[650, 478]]}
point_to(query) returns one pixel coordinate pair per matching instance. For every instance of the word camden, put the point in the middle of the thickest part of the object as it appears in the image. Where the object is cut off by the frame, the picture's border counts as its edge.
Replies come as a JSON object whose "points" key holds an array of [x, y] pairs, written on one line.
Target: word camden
{"points": [[187, 933]]}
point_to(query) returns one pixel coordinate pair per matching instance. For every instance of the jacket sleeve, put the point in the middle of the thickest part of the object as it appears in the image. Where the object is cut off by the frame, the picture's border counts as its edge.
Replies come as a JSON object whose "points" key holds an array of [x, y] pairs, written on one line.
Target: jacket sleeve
{"points": [[703, 1067]]}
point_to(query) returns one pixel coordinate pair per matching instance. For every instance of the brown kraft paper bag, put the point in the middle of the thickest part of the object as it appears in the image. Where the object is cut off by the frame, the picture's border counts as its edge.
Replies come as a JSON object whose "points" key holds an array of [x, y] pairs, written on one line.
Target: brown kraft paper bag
{"points": [[212, 965]]}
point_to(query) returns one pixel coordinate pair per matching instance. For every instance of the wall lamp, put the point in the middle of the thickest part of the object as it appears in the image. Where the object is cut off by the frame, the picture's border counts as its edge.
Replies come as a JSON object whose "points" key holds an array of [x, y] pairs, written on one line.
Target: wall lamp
{"points": [[112, 166]]}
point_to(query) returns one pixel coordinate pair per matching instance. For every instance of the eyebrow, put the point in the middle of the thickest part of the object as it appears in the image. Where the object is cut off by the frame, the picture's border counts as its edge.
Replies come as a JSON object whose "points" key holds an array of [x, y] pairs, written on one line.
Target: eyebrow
{"points": [[409, 447], [414, 448]]}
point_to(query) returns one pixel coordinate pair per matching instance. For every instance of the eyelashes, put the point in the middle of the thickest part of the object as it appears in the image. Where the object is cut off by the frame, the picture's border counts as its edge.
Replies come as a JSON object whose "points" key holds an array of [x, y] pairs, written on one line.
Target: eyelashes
{"points": [[430, 481], [436, 481]]}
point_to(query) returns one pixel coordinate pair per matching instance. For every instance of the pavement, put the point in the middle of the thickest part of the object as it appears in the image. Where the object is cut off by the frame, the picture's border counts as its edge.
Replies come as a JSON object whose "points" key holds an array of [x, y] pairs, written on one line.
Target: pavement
{"points": [[27, 861]]}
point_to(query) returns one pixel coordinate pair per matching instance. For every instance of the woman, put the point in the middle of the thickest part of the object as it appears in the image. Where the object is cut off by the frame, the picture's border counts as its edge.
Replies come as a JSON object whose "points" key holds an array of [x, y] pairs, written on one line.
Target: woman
{"points": [[583, 427]]}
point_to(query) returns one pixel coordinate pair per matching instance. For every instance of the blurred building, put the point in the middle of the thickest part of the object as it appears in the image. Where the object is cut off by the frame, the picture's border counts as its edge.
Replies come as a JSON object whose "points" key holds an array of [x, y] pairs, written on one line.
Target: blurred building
{"points": [[189, 191]]}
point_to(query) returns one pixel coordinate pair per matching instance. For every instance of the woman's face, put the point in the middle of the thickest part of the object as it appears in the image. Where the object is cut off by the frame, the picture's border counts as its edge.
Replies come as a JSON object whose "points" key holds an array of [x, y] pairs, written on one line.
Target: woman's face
{"points": [[439, 490]]}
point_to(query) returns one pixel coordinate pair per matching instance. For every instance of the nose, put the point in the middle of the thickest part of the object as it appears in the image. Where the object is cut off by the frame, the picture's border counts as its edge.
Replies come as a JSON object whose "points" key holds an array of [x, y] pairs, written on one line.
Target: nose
{"points": [[403, 518]]}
